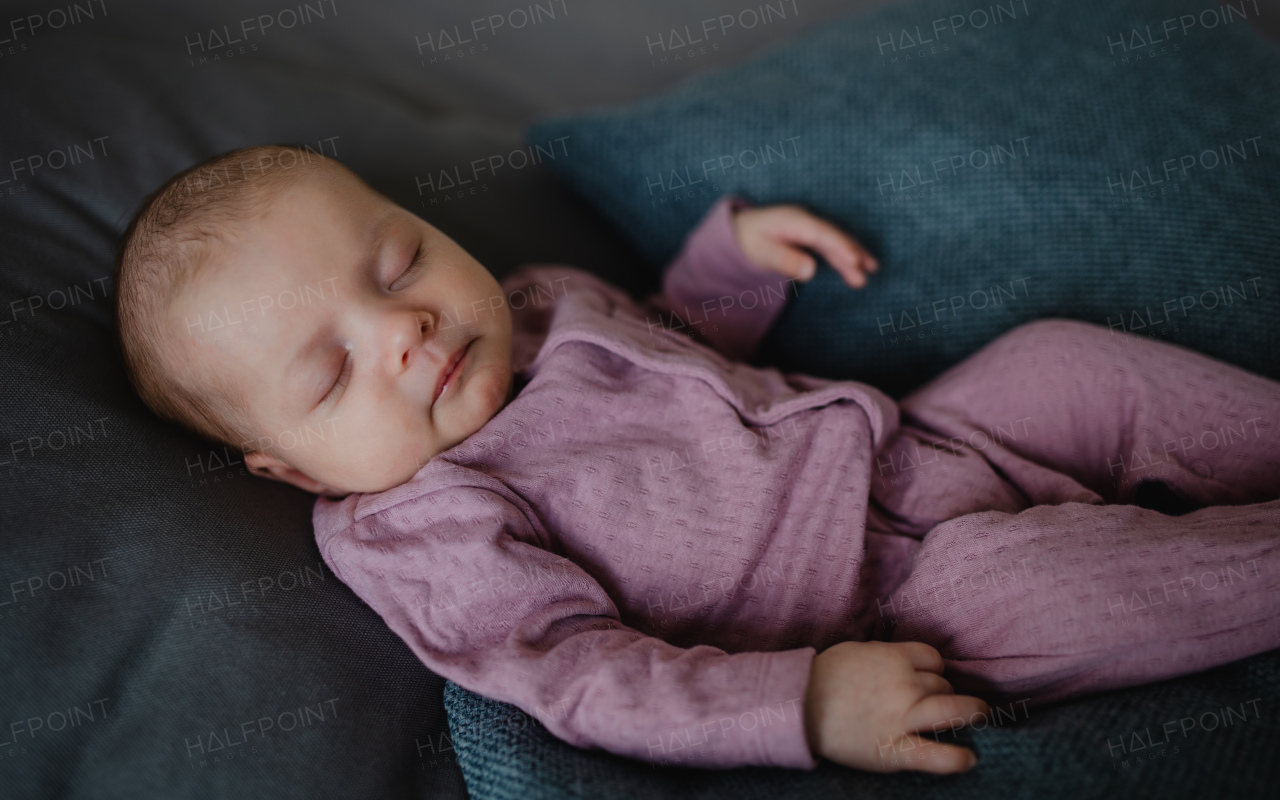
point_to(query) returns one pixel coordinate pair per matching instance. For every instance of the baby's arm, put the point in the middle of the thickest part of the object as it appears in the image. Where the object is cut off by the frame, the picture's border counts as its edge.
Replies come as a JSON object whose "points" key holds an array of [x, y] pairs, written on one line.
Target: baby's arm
{"points": [[462, 576], [737, 268], [480, 601]]}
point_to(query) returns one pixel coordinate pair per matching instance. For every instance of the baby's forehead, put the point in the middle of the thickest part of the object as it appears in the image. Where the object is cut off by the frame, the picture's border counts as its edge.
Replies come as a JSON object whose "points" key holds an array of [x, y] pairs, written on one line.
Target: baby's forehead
{"points": [[330, 203], [291, 241], [315, 202], [263, 272]]}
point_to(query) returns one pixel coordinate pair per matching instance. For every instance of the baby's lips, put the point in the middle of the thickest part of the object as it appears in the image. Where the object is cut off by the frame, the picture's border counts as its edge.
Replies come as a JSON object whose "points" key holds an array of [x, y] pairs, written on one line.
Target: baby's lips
{"points": [[445, 379]]}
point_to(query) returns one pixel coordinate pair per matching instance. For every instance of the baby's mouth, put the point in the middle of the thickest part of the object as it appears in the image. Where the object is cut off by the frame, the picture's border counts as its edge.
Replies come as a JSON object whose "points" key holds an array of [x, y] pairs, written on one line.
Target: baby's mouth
{"points": [[451, 371]]}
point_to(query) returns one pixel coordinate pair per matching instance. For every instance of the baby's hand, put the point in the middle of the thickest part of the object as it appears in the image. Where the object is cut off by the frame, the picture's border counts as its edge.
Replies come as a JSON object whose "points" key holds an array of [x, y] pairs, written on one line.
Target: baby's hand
{"points": [[867, 700], [770, 237]]}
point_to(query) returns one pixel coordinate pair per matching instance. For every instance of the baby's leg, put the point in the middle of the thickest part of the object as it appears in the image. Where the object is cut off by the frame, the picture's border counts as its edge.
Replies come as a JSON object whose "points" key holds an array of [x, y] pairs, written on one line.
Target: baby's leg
{"points": [[1058, 601], [1074, 596], [1072, 412]]}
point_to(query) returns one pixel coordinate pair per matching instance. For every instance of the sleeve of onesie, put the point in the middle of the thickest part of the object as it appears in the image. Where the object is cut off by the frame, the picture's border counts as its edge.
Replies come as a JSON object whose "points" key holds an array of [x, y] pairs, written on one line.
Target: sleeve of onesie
{"points": [[714, 294], [481, 601]]}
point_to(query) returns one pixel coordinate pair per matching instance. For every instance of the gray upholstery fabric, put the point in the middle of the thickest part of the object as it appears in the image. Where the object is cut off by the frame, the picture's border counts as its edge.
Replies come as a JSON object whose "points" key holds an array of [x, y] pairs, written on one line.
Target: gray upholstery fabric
{"points": [[169, 629]]}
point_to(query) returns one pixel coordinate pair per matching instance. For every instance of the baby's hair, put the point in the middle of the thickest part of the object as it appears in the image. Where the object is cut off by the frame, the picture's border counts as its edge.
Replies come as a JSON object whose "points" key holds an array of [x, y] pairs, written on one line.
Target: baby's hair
{"points": [[167, 242]]}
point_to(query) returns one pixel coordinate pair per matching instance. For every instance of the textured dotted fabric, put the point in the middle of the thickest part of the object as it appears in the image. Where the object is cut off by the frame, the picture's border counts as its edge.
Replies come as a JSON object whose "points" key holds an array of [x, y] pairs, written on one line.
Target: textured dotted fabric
{"points": [[652, 539], [1038, 574]]}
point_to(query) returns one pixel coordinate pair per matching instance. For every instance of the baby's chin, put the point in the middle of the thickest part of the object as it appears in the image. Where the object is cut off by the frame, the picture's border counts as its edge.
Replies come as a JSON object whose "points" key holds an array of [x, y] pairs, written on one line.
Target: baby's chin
{"points": [[491, 382], [488, 390], [485, 392]]}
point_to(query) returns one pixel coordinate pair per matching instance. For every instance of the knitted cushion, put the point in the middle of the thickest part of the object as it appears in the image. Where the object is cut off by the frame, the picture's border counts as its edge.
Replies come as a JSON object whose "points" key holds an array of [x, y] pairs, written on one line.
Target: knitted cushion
{"points": [[1105, 160], [1213, 734]]}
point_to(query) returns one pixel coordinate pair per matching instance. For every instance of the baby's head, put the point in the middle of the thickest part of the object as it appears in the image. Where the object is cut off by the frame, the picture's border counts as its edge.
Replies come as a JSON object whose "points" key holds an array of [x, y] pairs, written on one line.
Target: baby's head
{"points": [[270, 300]]}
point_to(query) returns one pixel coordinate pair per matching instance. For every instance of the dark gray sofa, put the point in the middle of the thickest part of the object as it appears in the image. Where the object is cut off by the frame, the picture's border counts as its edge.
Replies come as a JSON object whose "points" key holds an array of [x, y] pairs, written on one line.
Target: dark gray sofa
{"points": [[167, 628]]}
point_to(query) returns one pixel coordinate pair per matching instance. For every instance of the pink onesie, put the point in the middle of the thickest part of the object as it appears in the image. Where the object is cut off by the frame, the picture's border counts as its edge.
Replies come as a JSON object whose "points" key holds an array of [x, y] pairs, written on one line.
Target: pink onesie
{"points": [[646, 548]]}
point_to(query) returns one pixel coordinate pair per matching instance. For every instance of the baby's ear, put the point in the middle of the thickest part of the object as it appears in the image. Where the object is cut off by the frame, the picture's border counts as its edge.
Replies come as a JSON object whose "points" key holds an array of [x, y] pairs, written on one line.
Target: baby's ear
{"points": [[271, 467]]}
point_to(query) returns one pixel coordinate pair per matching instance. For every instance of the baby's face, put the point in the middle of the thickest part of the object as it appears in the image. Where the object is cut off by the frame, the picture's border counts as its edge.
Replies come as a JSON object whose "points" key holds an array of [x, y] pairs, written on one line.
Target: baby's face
{"points": [[345, 316]]}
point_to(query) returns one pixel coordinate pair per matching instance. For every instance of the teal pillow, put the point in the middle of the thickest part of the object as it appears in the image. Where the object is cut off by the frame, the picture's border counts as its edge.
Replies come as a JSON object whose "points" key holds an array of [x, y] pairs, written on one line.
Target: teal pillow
{"points": [[1103, 746], [1111, 161]]}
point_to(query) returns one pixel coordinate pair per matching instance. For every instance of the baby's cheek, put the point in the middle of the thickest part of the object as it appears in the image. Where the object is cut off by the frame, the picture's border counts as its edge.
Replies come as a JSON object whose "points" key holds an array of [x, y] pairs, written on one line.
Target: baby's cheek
{"points": [[488, 391], [364, 448]]}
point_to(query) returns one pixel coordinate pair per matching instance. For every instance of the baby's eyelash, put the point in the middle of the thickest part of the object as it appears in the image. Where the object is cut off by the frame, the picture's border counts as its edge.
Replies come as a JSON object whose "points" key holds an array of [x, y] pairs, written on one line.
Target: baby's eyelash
{"points": [[342, 373], [419, 258]]}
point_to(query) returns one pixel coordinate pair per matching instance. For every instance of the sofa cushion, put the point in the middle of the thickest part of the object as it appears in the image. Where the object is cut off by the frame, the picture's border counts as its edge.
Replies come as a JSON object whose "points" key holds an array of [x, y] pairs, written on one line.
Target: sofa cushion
{"points": [[1107, 161]]}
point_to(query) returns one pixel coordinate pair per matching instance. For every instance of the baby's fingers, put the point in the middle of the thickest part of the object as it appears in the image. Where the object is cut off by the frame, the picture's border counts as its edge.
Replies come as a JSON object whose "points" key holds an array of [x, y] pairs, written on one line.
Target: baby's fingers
{"points": [[922, 656], [913, 752], [844, 254], [787, 260], [940, 712], [933, 683]]}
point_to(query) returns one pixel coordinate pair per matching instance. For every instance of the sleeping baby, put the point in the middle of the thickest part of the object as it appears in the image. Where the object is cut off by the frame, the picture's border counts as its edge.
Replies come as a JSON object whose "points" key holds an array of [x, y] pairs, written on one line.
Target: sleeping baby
{"points": [[596, 509]]}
